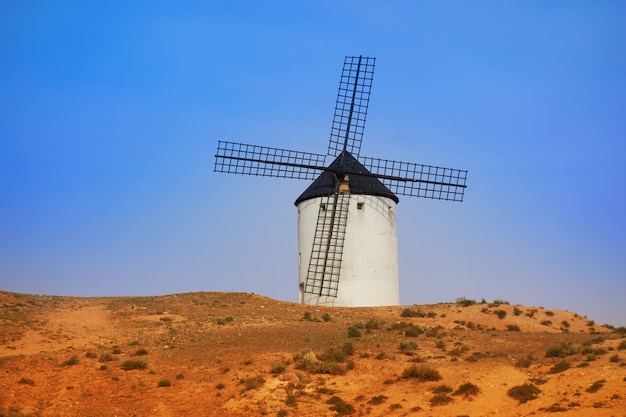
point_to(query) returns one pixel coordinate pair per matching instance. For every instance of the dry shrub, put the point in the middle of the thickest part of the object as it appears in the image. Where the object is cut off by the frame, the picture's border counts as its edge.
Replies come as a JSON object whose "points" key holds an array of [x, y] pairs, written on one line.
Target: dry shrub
{"points": [[524, 393], [421, 373], [467, 389]]}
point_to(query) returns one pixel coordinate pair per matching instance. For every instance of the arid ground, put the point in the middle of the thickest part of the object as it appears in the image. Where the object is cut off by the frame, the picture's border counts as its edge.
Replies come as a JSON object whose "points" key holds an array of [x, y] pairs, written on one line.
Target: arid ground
{"points": [[235, 354]]}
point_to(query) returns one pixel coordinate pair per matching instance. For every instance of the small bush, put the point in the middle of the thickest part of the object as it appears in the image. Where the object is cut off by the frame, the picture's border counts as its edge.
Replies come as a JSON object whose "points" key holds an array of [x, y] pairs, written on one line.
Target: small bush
{"points": [[141, 352], [220, 386], [516, 311], [524, 393], [282, 413], [354, 332], [253, 383], [134, 364], [408, 348], [413, 331], [164, 383], [421, 373], [614, 358], [290, 400], [340, 406], [524, 362], [467, 389], [326, 317], [71, 361], [622, 345], [512, 328], [105, 357], [442, 389], [561, 351], [379, 399], [277, 369], [440, 399], [500, 313], [348, 349], [373, 324], [307, 316], [465, 302], [555, 408], [225, 320], [595, 387], [26, 381], [559, 367], [409, 312], [325, 390]]}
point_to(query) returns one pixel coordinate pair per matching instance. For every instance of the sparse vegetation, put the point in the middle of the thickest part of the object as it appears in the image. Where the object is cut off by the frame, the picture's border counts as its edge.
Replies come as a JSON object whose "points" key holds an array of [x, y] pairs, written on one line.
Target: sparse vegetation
{"points": [[354, 332], [440, 399], [341, 407], [410, 312], [500, 313], [560, 367], [71, 361], [219, 360], [525, 362], [555, 408], [467, 390], [408, 348], [465, 302], [26, 381], [129, 365], [225, 320], [379, 399], [595, 387], [253, 383], [421, 373], [561, 351], [524, 393]]}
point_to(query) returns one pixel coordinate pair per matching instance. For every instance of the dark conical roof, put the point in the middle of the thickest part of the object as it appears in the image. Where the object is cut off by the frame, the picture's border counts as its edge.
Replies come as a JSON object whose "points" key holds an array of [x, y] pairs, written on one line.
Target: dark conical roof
{"points": [[359, 184]]}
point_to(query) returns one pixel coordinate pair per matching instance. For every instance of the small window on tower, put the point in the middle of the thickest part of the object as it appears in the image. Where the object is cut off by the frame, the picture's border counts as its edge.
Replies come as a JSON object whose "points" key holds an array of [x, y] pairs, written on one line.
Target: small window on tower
{"points": [[359, 205], [323, 206]]}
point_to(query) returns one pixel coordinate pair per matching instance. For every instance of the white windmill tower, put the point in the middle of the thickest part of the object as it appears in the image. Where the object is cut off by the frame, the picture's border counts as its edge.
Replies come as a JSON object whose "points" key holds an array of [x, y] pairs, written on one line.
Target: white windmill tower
{"points": [[347, 238]]}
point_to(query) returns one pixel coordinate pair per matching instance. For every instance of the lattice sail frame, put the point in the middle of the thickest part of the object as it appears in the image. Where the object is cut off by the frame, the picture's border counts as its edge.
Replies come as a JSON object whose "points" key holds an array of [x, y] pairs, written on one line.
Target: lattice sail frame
{"points": [[402, 178], [353, 98], [327, 252]]}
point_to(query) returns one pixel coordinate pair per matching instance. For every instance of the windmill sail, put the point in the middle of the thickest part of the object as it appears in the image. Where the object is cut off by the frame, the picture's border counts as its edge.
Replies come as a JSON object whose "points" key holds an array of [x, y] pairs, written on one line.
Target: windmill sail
{"points": [[353, 98], [327, 252]]}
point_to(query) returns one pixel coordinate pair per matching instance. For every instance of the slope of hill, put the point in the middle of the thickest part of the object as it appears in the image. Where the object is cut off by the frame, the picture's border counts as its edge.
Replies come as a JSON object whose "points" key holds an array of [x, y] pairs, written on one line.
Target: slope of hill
{"points": [[232, 354]]}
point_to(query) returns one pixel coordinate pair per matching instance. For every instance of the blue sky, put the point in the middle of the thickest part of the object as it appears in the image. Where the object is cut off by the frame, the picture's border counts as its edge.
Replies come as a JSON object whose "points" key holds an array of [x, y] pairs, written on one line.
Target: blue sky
{"points": [[110, 113]]}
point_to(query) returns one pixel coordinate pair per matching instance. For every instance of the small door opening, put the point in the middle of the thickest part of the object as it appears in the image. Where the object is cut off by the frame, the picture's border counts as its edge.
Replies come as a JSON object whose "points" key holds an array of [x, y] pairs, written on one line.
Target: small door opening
{"points": [[359, 205]]}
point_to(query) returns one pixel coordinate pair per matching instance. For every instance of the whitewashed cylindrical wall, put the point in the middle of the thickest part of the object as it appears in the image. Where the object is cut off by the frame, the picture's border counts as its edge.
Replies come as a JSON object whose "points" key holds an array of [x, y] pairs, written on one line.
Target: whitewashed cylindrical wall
{"points": [[369, 270]]}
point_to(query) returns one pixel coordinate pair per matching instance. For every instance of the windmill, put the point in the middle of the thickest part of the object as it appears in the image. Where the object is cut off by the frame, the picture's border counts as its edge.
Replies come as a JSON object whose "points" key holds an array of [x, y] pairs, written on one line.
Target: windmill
{"points": [[347, 236]]}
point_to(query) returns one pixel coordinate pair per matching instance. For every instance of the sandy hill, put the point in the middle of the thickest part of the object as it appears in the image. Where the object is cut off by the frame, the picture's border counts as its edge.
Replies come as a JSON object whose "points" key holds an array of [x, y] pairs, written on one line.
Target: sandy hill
{"points": [[231, 354]]}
